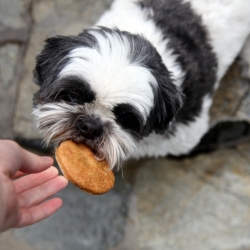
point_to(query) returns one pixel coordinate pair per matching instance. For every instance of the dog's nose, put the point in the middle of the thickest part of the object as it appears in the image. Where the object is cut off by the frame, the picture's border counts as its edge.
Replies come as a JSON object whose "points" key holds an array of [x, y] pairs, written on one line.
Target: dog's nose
{"points": [[90, 128]]}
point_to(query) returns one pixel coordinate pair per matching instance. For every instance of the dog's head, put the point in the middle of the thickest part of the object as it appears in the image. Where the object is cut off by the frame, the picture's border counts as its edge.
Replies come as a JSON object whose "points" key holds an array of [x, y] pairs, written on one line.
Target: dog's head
{"points": [[105, 88]]}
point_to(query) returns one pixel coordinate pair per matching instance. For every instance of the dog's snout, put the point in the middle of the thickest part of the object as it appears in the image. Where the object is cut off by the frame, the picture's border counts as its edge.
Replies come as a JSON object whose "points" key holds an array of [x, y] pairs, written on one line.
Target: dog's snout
{"points": [[90, 128]]}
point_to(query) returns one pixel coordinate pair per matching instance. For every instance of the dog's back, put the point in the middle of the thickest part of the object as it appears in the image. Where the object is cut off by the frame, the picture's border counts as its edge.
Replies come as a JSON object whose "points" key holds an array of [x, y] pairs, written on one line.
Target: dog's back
{"points": [[227, 23], [197, 40]]}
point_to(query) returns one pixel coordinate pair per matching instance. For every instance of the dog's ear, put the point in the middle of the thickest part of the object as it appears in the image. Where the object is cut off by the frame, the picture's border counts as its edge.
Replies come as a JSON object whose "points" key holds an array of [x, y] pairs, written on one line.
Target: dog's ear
{"points": [[168, 101], [51, 59], [54, 55]]}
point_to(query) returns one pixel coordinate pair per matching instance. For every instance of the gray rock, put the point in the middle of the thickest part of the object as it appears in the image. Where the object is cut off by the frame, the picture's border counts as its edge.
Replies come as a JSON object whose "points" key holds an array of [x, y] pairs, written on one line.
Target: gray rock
{"points": [[9, 242], [243, 111], [9, 55], [12, 14], [8, 63], [231, 98], [12, 22], [13, 34], [195, 203]]}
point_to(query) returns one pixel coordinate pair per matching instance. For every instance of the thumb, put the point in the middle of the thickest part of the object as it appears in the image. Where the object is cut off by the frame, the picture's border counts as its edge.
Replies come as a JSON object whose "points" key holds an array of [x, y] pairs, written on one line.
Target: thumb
{"points": [[32, 163], [14, 158]]}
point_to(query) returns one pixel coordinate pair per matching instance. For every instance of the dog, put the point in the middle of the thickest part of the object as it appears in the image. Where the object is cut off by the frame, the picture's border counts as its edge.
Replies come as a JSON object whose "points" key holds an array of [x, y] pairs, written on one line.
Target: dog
{"points": [[141, 81]]}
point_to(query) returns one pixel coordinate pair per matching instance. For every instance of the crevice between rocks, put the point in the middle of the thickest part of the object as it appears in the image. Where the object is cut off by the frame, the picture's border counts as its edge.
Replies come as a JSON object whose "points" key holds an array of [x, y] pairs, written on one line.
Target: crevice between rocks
{"points": [[10, 35], [242, 99]]}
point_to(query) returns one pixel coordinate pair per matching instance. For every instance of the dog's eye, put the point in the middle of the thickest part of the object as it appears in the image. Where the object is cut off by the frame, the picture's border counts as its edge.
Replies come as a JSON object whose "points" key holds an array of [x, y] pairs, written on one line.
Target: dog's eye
{"points": [[128, 121], [72, 97], [68, 96], [128, 117]]}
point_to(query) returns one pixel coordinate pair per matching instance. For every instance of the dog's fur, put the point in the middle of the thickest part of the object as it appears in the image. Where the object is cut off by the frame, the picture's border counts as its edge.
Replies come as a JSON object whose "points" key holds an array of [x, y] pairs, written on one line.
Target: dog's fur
{"points": [[140, 82]]}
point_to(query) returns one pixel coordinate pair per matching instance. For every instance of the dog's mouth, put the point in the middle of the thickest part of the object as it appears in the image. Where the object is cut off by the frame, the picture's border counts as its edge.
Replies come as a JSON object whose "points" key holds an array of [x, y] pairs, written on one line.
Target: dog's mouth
{"points": [[95, 145], [58, 123], [73, 134], [110, 146]]}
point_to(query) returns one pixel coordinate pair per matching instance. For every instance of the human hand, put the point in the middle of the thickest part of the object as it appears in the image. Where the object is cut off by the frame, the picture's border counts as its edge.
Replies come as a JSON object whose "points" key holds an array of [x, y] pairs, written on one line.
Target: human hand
{"points": [[22, 201]]}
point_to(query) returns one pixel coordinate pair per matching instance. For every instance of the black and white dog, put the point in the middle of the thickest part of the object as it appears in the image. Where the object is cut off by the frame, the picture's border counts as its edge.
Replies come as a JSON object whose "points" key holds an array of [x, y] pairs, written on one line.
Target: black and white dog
{"points": [[141, 82]]}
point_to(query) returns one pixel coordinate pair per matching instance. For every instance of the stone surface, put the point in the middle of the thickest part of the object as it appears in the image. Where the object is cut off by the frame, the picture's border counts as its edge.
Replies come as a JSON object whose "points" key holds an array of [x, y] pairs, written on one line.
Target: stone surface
{"points": [[244, 110], [195, 203], [13, 18], [231, 99], [12, 14], [9, 242], [9, 57]]}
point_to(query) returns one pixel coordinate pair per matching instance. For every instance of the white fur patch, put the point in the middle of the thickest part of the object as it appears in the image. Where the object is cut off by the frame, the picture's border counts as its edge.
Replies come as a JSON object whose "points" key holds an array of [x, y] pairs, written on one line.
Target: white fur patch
{"points": [[110, 74], [139, 23]]}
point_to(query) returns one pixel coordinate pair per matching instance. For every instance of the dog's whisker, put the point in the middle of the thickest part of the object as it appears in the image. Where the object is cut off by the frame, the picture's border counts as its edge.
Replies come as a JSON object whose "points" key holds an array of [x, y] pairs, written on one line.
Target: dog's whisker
{"points": [[59, 125]]}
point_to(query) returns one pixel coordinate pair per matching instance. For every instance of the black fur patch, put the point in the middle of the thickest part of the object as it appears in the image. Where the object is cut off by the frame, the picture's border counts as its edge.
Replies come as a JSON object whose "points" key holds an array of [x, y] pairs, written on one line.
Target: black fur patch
{"points": [[129, 118], [69, 89], [53, 58], [189, 41]]}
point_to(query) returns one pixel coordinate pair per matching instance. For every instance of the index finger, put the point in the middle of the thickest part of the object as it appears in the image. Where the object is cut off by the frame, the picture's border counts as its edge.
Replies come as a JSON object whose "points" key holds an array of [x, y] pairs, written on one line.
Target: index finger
{"points": [[14, 158]]}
